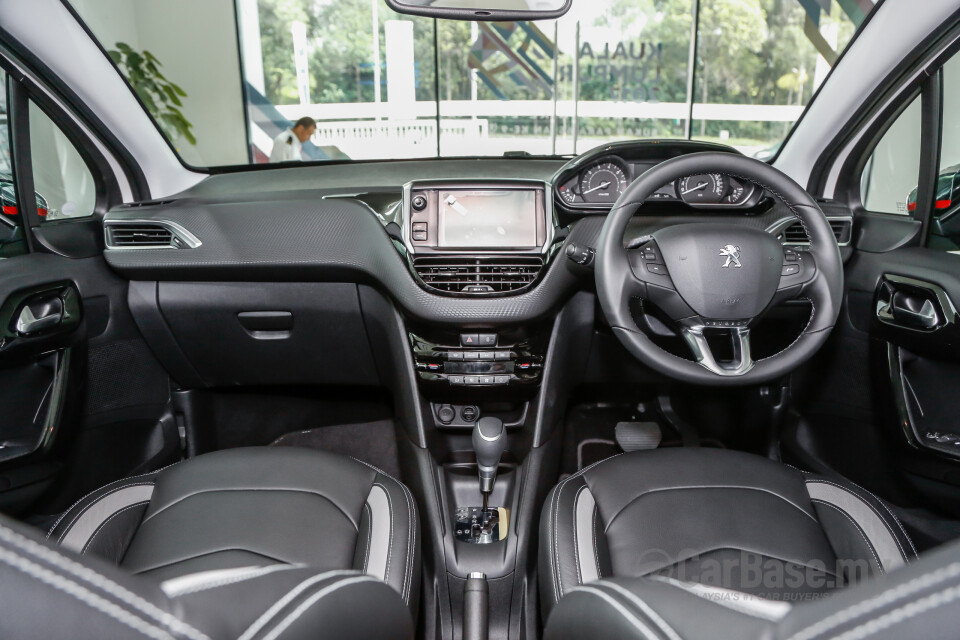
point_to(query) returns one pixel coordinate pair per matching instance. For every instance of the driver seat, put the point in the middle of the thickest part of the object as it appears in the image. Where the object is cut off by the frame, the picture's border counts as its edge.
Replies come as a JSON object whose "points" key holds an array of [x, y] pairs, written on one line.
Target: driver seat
{"points": [[714, 521]]}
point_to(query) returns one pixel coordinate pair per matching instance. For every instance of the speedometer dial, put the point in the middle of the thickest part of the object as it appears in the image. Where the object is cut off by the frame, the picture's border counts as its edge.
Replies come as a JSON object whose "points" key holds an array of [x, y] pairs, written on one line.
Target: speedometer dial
{"points": [[602, 183], [706, 188]]}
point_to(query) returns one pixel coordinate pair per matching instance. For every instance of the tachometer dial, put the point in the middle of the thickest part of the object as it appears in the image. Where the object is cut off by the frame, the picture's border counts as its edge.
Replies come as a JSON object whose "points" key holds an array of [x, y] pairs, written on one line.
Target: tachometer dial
{"points": [[602, 183], [706, 188], [738, 192], [569, 191]]}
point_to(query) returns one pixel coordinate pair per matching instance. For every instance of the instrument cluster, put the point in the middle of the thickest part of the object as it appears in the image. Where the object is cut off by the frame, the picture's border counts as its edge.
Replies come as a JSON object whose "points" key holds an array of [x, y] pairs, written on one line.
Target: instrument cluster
{"points": [[598, 185]]}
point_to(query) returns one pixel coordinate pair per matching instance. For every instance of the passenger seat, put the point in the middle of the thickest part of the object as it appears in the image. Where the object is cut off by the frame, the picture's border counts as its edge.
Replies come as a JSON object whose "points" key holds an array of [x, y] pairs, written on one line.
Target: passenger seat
{"points": [[244, 543]]}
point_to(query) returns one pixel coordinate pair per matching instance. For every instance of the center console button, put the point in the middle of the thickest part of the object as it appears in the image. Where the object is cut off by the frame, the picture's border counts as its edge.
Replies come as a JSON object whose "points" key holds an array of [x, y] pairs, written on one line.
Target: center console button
{"points": [[487, 339], [454, 355], [486, 355], [471, 355], [455, 379], [487, 380], [469, 339], [471, 380], [501, 355], [502, 380]]}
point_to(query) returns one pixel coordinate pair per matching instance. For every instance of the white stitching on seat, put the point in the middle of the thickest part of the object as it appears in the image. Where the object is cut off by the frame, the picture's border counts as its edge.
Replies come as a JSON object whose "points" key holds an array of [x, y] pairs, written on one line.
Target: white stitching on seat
{"points": [[142, 475], [886, 524], [740, 606], [596, 553], [366, 553], [556, 542], [223, 582], [708, 486], [393, 530], [558, 580], [856, 526], [883, 504], [76, 518], [619, 608], [277, 606], [312, 600], [411, 541], [882, 599], [100, 581], [84, 595], [644, 607], [107, 520], [183, 498], [576, 549], [411, 523], [912, 609]]}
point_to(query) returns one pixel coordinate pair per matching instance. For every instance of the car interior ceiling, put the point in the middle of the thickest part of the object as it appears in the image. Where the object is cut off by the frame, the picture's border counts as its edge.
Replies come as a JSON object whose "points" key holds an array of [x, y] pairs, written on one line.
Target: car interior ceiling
{"points": [[479, 333]]}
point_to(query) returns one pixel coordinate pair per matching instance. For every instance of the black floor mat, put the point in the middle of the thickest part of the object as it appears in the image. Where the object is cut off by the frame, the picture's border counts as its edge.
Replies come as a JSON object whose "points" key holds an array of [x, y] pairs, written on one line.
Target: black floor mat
{"points": [[373, 442]]}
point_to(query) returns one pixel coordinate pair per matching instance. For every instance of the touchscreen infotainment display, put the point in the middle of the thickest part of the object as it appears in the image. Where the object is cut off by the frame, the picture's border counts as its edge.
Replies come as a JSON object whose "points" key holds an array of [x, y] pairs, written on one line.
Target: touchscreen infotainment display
{"points": [[488, 219]]}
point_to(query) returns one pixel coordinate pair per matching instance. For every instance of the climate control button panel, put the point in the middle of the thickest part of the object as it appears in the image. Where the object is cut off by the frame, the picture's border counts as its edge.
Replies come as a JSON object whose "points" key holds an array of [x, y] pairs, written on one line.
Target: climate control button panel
{"points": [[482, 359]]}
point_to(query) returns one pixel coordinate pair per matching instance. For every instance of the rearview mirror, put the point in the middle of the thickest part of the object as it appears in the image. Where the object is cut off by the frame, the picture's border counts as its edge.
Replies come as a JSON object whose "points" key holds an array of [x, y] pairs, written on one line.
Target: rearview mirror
{"points": [[499, 10]]}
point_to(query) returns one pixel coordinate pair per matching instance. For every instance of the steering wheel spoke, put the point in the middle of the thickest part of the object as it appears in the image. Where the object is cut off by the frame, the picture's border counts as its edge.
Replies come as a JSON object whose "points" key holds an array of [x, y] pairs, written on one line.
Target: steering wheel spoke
{"points": [[742, 361]]}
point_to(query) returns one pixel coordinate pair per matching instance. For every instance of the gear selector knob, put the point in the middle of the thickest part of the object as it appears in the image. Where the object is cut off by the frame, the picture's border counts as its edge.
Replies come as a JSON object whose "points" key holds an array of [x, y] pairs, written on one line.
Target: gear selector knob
{"points": [[489, 441]]}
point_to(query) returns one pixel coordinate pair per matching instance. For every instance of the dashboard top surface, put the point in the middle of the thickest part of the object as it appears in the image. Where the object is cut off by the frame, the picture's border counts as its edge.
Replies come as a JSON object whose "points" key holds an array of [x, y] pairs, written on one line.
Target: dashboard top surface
{"points": [[356, 176], [333, 223]]}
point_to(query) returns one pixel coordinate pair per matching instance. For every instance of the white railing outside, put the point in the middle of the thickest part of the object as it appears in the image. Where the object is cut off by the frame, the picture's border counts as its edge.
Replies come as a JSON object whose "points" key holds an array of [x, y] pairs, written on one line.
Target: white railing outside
{"points": [[369, 130]]}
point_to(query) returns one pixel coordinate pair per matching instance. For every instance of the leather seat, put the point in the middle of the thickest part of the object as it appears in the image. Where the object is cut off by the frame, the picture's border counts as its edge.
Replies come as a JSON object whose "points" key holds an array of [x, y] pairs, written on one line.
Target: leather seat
{"points": [[916, 601], [259, 542], [713, 519]]}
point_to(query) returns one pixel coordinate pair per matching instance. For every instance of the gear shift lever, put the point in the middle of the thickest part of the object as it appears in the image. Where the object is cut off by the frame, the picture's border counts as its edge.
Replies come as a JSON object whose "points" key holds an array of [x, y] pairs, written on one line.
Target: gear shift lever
{"points": [[489, 441]]}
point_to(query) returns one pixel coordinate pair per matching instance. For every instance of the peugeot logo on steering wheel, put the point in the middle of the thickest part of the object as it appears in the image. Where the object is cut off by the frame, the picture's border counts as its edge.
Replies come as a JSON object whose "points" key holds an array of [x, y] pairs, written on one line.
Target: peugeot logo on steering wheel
{"points": [[732, 254]]}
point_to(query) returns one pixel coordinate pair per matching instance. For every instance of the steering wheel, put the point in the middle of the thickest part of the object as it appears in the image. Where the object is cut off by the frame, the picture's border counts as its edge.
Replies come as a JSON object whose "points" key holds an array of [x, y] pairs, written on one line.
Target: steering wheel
{"points": [[705, 276]]}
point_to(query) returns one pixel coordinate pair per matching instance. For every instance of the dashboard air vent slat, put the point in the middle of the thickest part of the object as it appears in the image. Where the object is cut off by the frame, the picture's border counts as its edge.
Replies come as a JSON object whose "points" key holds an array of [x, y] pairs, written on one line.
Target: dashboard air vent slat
{"points": [[130, 234], [140, 236], [478, 275], [795, 234]]}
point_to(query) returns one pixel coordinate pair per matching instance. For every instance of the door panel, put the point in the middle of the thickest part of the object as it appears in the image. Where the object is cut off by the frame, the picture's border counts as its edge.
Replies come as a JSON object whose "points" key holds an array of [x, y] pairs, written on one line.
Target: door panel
{"points": [[84, 402], [907, 297]]}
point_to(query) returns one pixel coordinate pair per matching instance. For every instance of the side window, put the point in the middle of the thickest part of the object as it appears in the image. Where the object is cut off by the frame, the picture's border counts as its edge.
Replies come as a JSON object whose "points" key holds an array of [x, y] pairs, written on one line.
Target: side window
{"points": [[945, 224], [889, 180], [11, 232], [64, 185]]}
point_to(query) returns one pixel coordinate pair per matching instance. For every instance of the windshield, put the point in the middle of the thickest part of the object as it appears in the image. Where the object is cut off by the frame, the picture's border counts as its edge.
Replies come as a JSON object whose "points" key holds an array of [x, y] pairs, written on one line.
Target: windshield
{"points": [[256, 81]]}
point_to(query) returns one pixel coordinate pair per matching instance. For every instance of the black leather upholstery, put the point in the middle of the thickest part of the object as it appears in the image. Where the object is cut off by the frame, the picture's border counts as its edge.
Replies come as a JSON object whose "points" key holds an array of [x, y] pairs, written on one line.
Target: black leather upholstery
{"points": [[259, 542], [719, 518], [917, 601], [47, 592]]}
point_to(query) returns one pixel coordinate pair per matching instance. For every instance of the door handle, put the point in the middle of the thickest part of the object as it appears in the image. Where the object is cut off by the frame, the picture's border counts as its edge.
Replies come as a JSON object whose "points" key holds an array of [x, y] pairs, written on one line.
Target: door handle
{"points": [[40, 316], [925, 318], [916, 305]]}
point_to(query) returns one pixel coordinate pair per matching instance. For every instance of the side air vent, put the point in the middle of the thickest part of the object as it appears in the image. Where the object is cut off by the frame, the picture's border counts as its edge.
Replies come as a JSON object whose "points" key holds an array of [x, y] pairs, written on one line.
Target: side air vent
{"points": [[148, 235], [795, 234], [144, 203], [478, 275]]}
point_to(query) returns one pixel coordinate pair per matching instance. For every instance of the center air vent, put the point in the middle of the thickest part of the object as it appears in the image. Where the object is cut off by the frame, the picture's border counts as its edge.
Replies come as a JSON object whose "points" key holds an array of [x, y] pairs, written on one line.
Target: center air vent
{"points": [[795, 234], [478, 275], [147, 235]]}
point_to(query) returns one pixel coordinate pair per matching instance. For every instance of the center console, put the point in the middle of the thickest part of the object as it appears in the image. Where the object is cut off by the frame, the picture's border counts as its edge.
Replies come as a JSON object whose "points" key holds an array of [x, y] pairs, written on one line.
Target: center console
{"points": [[483, 401]]}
